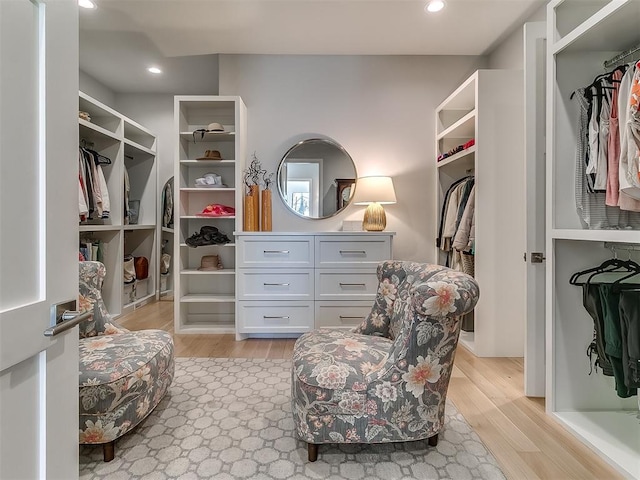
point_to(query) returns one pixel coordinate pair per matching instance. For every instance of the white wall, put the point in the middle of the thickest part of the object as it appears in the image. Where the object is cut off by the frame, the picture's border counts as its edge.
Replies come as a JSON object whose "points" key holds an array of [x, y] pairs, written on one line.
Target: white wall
{"points": [[97, 90], [510, 53], [379, 108]]}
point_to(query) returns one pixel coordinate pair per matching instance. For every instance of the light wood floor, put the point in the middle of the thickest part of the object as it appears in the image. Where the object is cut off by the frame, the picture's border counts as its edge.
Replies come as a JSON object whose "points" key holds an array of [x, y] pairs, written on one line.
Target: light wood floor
{"points": [[527, 443]]}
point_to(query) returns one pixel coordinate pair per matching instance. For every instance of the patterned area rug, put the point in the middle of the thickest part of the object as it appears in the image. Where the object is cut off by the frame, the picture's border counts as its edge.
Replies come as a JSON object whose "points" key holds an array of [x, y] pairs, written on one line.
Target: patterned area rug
{"points": [[230, 419]]}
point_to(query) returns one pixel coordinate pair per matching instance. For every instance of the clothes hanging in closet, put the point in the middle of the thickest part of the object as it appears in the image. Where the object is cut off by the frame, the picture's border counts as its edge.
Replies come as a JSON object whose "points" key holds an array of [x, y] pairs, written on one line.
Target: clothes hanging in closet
{"points": [[607, 181], [93, 194], [615, 311], [458, 210]]}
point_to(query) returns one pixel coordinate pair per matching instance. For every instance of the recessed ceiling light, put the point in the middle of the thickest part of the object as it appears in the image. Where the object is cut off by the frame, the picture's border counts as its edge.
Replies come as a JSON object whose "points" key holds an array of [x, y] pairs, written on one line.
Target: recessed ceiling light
{"points": [[86, 4], [434, 6], [154, 70]]}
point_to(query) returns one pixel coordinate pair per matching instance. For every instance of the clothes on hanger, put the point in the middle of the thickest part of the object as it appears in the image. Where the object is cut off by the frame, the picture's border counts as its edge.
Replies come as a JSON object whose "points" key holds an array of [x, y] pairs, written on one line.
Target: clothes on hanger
{"points": [[456, 208], [607, 167], [167, 204], [93, 194], [614, 307]]}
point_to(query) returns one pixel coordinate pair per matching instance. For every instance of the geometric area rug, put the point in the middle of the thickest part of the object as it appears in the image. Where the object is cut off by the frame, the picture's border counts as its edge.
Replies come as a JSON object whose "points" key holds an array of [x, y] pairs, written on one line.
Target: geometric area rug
{"points": [[230, 418]]}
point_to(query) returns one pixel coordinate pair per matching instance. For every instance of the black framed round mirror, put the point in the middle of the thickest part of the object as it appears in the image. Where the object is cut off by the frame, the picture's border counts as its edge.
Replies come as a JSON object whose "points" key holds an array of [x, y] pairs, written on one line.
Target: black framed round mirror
{"points": [[316, 178]]}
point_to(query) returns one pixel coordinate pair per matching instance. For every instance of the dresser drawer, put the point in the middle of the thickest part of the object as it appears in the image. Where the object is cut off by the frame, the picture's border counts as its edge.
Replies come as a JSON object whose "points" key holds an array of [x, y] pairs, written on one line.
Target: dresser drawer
{"points": [[284, 317], [336, 284], [256, 284], [275, 252], [344, 315], [336, 252]]}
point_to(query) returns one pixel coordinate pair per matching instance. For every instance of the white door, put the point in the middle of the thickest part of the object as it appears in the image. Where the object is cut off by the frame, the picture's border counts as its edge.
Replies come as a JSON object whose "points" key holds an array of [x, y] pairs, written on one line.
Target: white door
{"points": [[534, 350], [38, 236]]}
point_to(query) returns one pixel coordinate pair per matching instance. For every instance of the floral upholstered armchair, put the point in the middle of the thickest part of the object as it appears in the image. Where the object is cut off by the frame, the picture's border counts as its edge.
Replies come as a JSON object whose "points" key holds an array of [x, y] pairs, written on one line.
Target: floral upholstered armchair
{"points": [[386, 381], [123, 374]]}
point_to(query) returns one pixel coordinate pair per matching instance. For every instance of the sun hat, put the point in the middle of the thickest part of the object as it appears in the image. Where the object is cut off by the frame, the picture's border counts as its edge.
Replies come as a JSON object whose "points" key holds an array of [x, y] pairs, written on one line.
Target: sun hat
{"points": [[217, 210], [214, 127], [210, 262], [211, 155]]}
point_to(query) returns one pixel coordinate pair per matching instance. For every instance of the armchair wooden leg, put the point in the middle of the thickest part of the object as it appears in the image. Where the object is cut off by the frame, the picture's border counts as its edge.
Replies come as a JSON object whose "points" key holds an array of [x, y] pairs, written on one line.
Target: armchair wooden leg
{"points": [[312, 448], [109, 451], [433, 441]]}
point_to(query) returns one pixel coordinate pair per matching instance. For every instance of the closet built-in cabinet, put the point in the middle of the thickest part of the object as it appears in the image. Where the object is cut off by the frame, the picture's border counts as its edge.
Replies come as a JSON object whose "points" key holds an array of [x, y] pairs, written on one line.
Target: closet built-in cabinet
{"points": [[131, 152], [581, 37], [485, 114], [205, 299]]}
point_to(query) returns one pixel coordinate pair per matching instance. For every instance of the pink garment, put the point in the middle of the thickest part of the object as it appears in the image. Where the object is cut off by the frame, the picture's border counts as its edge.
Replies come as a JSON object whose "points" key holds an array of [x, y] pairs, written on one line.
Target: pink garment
{"points": [[613, 197]]}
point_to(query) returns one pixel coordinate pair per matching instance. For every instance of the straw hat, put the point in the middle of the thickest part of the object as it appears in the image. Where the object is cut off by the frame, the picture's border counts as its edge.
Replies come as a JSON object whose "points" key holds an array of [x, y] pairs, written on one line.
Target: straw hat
{"points": [[211, 155], [214, 127], [210, 262]]}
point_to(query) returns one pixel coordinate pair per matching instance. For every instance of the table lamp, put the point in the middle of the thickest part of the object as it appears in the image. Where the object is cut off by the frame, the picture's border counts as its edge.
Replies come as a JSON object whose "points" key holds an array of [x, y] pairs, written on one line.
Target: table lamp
{"points": [[374, 192]]}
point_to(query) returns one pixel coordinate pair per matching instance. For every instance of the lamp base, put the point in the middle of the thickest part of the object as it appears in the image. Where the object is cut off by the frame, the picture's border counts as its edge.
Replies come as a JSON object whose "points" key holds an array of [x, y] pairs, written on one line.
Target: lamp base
{"points": [[375, 220]]}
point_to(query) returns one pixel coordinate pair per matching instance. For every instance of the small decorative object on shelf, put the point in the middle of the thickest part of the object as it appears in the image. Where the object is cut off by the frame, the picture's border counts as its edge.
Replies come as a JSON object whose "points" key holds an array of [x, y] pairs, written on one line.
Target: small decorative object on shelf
{"points": [[252, 175]]}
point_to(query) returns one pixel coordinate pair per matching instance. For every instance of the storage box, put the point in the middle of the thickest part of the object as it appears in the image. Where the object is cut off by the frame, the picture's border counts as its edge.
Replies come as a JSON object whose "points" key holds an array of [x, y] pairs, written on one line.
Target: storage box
{"points": [[142, 288]]}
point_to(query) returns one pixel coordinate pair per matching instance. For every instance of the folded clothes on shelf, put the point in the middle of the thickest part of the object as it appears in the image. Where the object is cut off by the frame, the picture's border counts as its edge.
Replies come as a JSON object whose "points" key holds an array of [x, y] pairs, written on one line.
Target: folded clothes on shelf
{"points": [[457, 149]]}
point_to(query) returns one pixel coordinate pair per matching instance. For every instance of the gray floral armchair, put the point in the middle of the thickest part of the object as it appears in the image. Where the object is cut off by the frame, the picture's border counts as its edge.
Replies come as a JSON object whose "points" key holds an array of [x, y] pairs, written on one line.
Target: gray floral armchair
{"points": [[387, 380], [123, 374]]}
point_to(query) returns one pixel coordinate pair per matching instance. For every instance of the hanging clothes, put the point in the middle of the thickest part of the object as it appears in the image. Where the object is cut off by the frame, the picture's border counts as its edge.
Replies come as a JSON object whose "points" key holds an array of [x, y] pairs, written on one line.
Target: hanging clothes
{"points": [[93, 193]]}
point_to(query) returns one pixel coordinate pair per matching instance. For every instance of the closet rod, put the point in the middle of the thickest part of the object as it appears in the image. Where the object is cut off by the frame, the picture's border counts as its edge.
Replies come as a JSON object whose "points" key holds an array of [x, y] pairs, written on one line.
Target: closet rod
{"points": [[613, 61], [622, 246]]}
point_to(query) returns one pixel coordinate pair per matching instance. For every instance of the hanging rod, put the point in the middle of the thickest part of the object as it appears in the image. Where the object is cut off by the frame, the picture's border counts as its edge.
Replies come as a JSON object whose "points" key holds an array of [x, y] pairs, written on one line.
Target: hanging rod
{"points": [[622, 246], [621, 56]]}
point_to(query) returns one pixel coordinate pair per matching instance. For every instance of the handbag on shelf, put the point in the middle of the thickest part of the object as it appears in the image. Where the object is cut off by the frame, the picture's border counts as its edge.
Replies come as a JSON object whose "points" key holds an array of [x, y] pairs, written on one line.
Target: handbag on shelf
{"points": [[165, 263], [129, 270], [141, 265]]}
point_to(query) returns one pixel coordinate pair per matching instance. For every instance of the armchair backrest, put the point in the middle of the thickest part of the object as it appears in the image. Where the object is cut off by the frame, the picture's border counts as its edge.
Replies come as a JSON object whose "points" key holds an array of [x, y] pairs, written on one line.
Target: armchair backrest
{"points": [[91, 276], [419, 306]]}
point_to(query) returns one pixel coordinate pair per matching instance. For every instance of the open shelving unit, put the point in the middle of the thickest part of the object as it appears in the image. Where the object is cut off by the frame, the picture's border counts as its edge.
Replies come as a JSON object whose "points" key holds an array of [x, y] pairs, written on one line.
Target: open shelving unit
{"points": [[129, 146], [488, 107], [581, 36], [205, 300]]}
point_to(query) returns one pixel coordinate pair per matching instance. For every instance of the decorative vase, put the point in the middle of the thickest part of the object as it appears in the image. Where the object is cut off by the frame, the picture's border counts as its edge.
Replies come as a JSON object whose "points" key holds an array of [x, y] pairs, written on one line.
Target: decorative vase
{"points": [[251, 219], [265, 212]]}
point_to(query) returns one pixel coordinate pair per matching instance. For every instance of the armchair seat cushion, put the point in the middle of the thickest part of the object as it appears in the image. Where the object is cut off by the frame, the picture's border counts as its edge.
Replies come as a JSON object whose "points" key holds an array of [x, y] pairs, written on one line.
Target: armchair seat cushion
{"points": [[338, 359], [122, 378]]}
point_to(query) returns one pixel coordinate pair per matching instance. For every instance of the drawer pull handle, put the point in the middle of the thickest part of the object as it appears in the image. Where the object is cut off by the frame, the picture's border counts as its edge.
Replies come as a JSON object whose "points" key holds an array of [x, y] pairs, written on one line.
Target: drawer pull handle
{"points": [[268, 317], [276, 284], [346, 317], [353, 284], [355, 252], [284, 252]]}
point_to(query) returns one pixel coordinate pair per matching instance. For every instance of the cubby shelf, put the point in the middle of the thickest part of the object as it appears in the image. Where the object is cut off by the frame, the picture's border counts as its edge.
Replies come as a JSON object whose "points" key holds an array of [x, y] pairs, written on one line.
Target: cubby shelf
{"points": [[129, 146]]}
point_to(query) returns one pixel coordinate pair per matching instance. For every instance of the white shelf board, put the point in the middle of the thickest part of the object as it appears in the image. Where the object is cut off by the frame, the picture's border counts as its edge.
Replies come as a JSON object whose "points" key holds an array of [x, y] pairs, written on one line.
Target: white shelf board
{"points": [[215, 245], [467, 339], [167, 230], [463, 98], [458, 157], [463, 128], [613, 434], [139, 227], [624, 236], [224, 271], [204, 298], [91, 130], [99, 228], [210, 136], [207, 190], [615, 25], [131, 126], [202, 217], [200, 329], [131, 145], [206, 163]]}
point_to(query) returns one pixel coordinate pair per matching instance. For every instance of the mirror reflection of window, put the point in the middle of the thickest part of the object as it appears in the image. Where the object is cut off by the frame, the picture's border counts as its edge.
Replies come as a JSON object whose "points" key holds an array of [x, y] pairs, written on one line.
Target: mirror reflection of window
{"points": [[298, 191], [310, 173]]}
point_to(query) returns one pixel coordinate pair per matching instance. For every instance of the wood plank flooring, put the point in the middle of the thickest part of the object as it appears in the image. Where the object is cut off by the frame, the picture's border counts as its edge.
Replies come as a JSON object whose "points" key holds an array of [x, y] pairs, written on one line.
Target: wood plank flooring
{"points": [[527, 443]]}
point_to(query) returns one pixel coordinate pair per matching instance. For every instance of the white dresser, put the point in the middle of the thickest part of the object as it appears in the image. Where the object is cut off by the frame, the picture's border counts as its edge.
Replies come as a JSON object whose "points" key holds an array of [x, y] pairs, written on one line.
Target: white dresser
{"points": [[291, 283]]}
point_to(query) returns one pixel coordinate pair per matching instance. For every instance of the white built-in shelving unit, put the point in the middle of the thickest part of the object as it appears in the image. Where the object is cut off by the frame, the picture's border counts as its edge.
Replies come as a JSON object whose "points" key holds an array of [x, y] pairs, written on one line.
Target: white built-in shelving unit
{"points": [[132, 147], [488, 107], [205, 300], [581, 36]]}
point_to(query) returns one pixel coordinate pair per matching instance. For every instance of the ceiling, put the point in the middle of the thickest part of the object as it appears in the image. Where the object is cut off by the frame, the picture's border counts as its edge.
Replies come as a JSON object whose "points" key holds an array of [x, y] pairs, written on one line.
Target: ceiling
{"points": [[120, 38]]}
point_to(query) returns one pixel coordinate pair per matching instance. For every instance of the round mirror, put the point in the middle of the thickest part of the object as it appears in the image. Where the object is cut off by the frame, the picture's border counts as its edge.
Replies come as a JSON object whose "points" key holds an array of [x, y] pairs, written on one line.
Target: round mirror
{"points": [[316, 178]]}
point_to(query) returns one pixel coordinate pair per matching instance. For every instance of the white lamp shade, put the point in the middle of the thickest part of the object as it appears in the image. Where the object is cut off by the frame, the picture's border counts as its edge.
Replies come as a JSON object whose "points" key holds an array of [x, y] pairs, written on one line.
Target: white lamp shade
{"points": [[374, 190]]}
